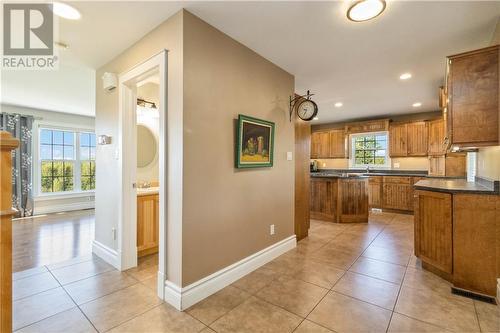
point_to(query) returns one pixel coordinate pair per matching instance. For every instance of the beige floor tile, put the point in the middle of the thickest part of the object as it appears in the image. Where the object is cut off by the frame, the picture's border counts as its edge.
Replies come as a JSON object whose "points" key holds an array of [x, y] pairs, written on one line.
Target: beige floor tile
{"points": [[489, 316], [29, 272], [33, 284], [451, 312], [256, 280], [415, 263], [97, 286], [285, 265], [207, 330], [319, 274], [404, 324], [345, 314], [142, 273], [309, 327], [294, 295], [80, 271], [256, 315], [218, 304], [151, 283], [162, 318], [68, 321], [29, 310], [335, 257], [73, 261], [425, 280], [120, 306], [379, 269], [368, 289], [387, 255]]}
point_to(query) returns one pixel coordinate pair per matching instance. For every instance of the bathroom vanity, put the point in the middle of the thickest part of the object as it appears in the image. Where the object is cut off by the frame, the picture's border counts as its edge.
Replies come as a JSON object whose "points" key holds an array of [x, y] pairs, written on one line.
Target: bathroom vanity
{"points": [[147, 221]]}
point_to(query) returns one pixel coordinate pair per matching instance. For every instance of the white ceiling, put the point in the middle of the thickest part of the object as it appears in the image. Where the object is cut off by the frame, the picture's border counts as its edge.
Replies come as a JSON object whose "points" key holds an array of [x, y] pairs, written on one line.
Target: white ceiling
{"points": [[356, 63]]}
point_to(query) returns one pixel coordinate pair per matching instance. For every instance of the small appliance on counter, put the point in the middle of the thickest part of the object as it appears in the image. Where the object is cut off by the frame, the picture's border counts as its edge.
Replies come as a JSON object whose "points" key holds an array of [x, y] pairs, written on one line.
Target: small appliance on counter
{"points": [[313, 167]]}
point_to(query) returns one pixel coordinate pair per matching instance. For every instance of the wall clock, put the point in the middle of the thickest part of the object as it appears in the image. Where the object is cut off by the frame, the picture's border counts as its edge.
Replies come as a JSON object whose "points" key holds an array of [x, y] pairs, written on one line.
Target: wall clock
{"points": [[306, 108]]}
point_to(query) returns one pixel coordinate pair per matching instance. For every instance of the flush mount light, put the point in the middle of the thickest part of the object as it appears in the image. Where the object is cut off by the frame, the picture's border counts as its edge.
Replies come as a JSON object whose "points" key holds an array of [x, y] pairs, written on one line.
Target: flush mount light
{"points": [[315, 118], [417, 105], [338, 104], [405, 76], [65, 11], [364, 10]]}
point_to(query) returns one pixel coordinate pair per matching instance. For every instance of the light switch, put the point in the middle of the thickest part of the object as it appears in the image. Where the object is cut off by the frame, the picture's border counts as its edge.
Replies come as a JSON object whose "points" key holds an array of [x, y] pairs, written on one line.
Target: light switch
{"points": [[289, 156]]}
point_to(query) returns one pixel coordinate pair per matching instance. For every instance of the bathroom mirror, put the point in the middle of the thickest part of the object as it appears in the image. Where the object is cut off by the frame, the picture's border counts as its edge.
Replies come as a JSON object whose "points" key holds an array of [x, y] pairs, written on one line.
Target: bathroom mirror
{"points": [[146, 146]]}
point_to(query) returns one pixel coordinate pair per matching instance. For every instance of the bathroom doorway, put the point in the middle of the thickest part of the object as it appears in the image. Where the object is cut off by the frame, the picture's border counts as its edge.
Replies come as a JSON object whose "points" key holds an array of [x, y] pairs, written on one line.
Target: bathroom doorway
{"points": [[142, 153]]}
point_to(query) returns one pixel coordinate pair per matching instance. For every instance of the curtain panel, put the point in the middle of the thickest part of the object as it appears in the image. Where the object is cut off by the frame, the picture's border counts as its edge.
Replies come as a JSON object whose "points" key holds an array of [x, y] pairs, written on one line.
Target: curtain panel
{"points": [[21, 127]]}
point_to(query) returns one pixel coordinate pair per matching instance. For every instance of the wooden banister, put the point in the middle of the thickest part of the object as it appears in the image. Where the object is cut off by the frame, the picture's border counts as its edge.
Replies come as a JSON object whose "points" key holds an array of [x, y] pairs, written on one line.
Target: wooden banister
{"points": [[7, 144]]}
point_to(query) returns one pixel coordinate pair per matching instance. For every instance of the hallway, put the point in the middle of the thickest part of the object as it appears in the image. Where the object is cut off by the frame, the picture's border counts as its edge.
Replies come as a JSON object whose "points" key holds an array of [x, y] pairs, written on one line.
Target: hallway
{"points": [[342, 278]]}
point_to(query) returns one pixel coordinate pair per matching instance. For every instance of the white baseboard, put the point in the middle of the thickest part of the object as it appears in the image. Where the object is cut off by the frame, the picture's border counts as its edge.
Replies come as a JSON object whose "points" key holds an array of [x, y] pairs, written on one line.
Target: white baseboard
{"points": [[183, 298], [67, 207], [106, 253]]}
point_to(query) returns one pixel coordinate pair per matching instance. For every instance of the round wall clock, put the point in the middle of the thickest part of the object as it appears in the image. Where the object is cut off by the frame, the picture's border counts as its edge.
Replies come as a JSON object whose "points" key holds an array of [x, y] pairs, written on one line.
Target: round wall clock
{"points": [[307, 110]]}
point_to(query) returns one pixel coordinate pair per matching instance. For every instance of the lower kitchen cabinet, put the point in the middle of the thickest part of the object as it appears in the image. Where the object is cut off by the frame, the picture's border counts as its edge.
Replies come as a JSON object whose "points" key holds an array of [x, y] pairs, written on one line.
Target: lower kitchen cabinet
{"points": [[323, 196], [147, 224], [375, 192], [397, 193]]}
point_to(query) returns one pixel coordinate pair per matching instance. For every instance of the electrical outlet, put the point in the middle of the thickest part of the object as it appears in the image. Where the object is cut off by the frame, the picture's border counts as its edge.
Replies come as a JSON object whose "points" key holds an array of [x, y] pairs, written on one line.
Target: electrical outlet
{"points": [[289, 156], [396, 165], [271, 229], [113, 232]]}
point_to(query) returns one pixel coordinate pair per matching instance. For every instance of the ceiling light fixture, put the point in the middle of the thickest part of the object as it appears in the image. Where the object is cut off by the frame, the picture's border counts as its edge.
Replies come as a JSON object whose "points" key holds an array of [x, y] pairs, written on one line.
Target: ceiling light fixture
{"points": [[417, 105], [65, 11], [315, 118], [338, 104], [364, 10], [405, 76]]}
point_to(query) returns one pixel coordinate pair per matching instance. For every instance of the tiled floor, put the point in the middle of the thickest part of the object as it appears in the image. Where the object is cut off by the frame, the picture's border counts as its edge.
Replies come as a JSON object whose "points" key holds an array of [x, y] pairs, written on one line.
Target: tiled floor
{"points": [[47, 239], [343, 278]]}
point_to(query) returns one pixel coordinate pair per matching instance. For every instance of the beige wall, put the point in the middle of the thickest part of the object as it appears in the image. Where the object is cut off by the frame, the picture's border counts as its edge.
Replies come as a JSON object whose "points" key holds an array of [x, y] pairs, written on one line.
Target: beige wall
{"points": [[227, 212], [488, 159], [167, 35]]}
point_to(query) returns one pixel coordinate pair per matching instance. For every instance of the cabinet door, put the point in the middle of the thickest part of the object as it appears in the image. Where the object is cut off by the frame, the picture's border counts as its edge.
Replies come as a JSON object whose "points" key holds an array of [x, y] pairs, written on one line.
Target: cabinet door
{"points": [[417, 139], [437, 165], [315, 145], [433, 229], [147, 224], [374, 195], [473, 98], [323, 198], [398, 136], [397, 196], [324, 144], [337, 144], [437, 145]]}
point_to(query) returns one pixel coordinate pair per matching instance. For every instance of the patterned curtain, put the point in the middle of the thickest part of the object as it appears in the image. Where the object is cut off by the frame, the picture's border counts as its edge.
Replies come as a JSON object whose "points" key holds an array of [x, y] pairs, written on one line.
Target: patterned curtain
{"points": [[21, 128]]}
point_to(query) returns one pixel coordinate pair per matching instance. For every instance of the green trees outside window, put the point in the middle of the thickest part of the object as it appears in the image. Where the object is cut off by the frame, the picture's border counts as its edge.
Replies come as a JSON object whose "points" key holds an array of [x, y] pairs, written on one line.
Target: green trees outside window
{"points": [[370, 150]]}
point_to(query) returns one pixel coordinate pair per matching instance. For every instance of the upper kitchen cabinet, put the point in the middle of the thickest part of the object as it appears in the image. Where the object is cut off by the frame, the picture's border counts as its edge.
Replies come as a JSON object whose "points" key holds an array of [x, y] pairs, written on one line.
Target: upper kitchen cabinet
{"points": [[417, 138], [437, 137], [473, 98], [398, 140], [328, 144], [337, 143]]}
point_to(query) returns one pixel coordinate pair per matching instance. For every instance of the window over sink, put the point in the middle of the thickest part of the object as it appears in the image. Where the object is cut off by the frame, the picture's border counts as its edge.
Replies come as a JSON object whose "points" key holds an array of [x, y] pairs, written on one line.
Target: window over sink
{"points": [[369, 150]]}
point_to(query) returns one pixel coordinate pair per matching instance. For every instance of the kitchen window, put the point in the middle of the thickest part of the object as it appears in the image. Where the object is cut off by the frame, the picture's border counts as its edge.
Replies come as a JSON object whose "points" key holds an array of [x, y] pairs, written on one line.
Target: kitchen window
{"points": [[66, 161], [369, 150]]}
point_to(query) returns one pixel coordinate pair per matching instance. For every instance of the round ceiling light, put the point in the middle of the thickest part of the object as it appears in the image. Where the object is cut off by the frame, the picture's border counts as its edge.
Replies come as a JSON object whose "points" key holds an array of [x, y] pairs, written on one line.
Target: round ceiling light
{"points": [[405, 76], [65, 11], [417, 105], [364, 10], [338, 104]]}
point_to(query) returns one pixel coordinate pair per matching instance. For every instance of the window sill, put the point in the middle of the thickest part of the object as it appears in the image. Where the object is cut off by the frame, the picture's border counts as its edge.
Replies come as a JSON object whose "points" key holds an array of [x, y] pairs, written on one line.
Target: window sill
{"points": [[57, 196]]}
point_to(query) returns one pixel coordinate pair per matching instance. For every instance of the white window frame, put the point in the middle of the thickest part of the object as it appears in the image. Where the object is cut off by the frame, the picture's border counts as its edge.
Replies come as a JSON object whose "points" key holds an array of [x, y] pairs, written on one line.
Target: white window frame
{"points": [[37, 170], [352, 159]]}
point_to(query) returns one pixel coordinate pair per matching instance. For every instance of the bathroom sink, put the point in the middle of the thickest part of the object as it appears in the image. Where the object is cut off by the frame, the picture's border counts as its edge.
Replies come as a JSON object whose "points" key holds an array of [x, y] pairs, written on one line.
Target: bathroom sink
{"points": [[147, 190]]}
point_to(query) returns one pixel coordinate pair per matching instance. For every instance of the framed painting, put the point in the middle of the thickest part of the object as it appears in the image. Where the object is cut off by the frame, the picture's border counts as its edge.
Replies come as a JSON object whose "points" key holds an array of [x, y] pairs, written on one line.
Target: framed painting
{"points": [[255, 143]]}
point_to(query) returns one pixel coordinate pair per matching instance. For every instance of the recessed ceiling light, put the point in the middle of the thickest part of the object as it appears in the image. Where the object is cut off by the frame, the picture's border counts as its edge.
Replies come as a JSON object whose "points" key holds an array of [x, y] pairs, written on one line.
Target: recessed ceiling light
{"points": [[315, 118], [405, 76], [364, 10], [417, 105], [338, 104], [65, 11]]}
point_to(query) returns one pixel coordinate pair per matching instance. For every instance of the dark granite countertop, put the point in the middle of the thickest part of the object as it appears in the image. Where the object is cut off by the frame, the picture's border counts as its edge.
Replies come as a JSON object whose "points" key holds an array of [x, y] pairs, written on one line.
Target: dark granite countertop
{"points": [[480, 186], [361, 172], [337, 175]]}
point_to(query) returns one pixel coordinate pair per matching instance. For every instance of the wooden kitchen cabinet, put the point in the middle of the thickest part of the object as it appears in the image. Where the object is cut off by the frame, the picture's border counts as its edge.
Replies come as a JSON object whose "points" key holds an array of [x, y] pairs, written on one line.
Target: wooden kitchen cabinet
{"points": [[437, 136], [473, 98], [147, 224], [323, 197], [396, 193], [434, 230], [337, 143], [398, 140], [451, 165], [417, 138], [315, 145], [375, 192]]}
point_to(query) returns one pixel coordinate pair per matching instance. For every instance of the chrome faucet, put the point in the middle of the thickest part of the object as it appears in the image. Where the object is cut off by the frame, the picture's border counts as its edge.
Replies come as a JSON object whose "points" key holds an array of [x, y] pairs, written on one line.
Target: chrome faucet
{"points": [[367, 169]]}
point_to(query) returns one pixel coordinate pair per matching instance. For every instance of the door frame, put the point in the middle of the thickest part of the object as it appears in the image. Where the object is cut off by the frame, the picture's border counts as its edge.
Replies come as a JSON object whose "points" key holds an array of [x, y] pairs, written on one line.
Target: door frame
{"points": [[127, 155]]}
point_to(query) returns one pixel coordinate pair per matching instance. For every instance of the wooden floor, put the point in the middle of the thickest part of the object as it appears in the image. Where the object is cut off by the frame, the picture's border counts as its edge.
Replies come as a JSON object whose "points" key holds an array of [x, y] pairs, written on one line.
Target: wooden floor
{"points": [[52, 238]]}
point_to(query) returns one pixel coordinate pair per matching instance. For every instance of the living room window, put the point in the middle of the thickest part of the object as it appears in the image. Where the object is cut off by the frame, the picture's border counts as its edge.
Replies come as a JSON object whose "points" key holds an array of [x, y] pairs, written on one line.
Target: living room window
{"points": [[66, 161], [370, 150]]}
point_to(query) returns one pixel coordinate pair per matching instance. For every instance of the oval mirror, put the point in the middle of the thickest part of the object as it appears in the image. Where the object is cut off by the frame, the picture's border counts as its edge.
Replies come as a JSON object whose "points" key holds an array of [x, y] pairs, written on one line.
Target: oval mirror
{"points": [[146, 146]]}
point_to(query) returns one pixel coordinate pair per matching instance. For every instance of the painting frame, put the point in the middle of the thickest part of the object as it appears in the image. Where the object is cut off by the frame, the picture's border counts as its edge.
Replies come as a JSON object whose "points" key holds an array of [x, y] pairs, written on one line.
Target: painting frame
{"points": [[265, 125]]}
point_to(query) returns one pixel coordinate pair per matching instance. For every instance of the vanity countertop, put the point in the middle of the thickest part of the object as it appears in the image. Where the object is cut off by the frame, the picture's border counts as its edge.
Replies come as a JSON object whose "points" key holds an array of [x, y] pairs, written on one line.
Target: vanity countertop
{"points": [[147, 191]]}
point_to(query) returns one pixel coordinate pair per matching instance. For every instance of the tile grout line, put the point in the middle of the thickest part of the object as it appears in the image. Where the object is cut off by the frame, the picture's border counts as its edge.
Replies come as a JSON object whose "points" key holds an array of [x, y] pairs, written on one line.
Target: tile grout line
{"points": [[477, 316]]}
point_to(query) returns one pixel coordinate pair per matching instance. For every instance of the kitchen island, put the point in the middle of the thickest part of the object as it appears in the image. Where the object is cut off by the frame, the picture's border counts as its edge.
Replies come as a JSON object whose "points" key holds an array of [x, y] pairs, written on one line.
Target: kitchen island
{"points": [[339, 197]]}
